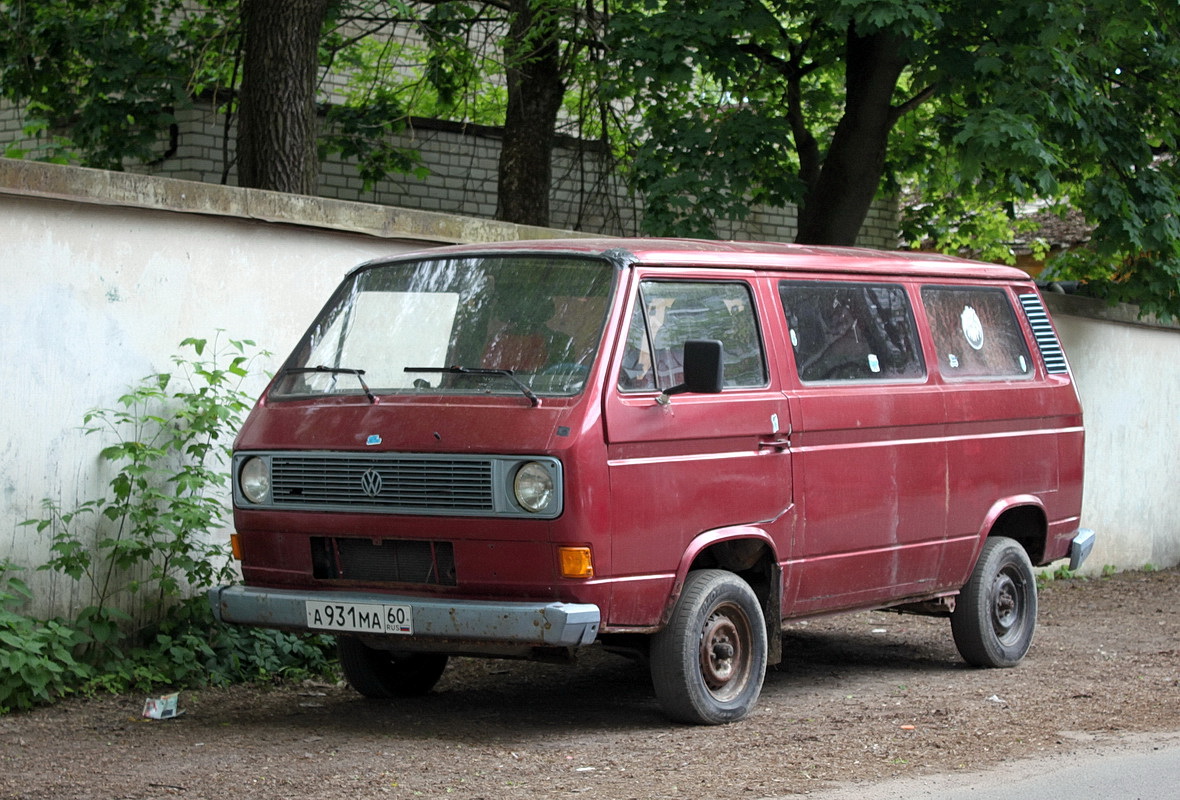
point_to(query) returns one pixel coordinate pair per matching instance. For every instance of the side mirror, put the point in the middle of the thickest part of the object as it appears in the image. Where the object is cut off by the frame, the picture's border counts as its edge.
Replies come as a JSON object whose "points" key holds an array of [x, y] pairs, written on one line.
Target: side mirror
{"points": [[704, 371]]}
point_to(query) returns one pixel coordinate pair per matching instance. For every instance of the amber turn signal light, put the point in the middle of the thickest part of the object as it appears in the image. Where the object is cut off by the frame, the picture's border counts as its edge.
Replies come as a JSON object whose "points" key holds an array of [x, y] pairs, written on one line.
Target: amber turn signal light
{"points": [[236, 545], [576, 562]]}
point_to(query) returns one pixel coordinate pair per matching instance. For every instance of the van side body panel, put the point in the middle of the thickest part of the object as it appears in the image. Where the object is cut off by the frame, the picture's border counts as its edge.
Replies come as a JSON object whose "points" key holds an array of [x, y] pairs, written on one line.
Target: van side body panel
{"points": [[873, 494]]}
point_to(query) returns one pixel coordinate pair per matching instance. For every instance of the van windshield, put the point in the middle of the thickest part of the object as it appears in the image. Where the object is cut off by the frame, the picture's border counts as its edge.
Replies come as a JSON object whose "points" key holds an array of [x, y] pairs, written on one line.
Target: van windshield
{"points": [[476, 325]]}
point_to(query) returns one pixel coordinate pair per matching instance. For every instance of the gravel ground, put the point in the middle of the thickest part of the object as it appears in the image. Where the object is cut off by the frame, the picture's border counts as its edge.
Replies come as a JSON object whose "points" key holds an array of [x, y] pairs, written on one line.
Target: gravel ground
{"points": [[859, 698]]}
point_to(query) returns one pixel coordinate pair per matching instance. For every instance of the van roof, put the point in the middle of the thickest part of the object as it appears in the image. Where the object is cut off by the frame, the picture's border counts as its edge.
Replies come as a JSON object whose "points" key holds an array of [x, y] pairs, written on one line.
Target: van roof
{"points": [[743, 255]]}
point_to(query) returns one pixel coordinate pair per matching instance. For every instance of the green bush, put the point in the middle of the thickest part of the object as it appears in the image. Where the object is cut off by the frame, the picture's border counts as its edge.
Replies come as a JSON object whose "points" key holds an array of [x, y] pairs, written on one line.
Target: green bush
{"points": [[191, 648], [36, 657], [171, 439], [147, 546]]}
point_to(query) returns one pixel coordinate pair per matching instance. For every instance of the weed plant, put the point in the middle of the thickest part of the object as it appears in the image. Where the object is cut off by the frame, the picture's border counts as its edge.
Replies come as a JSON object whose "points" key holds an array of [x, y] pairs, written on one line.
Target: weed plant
{"points": [[150, 545]]}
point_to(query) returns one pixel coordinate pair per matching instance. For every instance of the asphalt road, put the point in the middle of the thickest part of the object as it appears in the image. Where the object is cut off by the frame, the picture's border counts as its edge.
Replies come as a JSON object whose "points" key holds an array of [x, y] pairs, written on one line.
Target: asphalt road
{"points": [[1142, 768]]}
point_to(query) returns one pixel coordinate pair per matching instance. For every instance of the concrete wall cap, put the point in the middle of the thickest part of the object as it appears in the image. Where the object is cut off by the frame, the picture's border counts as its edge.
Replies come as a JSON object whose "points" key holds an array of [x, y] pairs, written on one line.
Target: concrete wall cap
{"points": [[102, 187]]}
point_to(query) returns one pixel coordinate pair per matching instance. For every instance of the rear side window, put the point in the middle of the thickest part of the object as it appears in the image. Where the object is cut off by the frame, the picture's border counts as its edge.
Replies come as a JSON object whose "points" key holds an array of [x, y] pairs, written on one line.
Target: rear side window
{"points": [[669, 313], [852, 331], [976, 333]]}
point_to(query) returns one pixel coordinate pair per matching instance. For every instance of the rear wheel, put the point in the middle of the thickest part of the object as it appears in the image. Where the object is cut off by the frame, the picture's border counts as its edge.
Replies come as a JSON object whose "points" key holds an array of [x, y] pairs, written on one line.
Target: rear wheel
{"points": [[383, 675], [996, 612], [708, 664]]}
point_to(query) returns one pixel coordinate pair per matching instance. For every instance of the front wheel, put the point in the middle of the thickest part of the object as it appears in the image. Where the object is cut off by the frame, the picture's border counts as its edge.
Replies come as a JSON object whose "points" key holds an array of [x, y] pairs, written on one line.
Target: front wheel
{"points": [[384, 675], [709, 662], [996, 612]]}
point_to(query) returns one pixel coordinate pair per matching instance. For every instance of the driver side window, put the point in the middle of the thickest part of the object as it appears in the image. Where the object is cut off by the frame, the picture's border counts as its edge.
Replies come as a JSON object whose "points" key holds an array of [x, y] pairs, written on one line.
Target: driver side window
{"points": [[668, 313]]}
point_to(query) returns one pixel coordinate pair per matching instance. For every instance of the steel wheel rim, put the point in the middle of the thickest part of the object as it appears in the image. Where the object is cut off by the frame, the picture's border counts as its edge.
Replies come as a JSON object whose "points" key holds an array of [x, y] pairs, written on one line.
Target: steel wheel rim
{"points": [[725, 646], [1007, 605]]}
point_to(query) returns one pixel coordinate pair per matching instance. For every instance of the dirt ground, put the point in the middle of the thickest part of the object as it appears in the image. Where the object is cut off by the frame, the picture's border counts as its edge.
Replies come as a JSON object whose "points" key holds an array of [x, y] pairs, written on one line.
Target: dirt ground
{"points": [[859, 698]]}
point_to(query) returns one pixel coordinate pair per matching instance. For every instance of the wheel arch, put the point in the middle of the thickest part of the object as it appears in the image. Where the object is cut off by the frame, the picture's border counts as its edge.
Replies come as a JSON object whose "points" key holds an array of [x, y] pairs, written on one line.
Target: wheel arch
{"points": [[1022, 519], [748, 552]]}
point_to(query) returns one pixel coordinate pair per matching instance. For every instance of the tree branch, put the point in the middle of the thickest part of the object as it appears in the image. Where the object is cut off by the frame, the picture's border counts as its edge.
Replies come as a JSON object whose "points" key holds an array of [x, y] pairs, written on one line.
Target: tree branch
{"points": [[909, 105]]}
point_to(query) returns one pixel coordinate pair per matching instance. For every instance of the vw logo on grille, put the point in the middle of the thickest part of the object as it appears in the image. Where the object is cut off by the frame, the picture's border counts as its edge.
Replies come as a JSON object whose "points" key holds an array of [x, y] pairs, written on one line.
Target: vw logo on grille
{"points": [[371, 482]]}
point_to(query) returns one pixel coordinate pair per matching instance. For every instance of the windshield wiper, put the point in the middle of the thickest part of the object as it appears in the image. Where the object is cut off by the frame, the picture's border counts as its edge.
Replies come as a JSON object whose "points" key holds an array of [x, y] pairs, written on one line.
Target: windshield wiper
{"points": [[334, 371], [507, 373]]}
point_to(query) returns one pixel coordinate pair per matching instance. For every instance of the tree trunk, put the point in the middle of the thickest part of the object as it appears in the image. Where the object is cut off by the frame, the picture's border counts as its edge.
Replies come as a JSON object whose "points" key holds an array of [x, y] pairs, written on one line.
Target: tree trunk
{"points": [[277, 123], [835, 205], [535, 92]]}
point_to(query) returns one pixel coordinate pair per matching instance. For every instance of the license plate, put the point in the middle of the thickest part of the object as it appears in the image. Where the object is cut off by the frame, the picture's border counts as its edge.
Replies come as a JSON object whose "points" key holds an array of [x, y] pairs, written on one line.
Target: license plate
{"points": [[360, 617]]}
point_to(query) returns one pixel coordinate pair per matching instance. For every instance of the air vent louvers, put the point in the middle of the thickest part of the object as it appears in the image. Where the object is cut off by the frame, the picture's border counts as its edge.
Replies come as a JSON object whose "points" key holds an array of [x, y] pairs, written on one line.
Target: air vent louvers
{"points": [[1042, 328]]}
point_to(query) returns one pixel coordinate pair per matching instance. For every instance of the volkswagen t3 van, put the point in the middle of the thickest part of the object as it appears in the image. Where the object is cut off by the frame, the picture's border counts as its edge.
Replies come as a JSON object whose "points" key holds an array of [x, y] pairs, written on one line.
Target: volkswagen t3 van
{"points": [[667, 447]]}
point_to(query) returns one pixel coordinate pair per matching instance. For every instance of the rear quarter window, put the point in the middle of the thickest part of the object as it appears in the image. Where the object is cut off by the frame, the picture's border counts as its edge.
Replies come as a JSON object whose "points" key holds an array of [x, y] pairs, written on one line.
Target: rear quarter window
{"points": [[976, 333]]}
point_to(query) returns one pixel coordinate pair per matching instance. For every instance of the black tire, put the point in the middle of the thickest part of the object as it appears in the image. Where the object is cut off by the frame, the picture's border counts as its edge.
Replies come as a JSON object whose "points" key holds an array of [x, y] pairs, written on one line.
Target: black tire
{"points": [[996, 613], [384, 675], [708, 664]]}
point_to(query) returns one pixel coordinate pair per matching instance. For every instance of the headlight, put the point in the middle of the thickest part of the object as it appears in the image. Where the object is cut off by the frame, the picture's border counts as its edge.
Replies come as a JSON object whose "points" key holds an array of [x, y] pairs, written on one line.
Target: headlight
{"points": [[533, 487], [254, 480]]}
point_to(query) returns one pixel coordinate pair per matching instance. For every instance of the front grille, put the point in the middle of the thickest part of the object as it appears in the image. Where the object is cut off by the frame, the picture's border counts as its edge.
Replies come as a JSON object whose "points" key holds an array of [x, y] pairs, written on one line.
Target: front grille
{"points": [[1042, 329], [426, 484], [389, 561], [411, 484]]}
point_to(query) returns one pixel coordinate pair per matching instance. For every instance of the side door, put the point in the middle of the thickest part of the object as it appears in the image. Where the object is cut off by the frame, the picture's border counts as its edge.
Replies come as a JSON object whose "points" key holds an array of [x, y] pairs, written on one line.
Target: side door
{"points": [[870, 458], [714, 465]]}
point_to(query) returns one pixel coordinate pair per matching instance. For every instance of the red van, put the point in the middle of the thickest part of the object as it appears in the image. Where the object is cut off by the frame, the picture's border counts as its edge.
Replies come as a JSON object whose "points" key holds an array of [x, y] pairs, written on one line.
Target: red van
{"points": [[671, 447]]}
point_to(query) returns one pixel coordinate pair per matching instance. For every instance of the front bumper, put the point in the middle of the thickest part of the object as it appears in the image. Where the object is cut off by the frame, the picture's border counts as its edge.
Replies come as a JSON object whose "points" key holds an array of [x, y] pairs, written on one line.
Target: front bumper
{"points": [[436, 621]]}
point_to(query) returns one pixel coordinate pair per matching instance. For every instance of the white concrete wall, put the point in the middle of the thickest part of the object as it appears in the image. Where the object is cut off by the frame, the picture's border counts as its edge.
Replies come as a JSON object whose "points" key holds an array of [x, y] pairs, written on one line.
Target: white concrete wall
{"points": [[1128, 376], [103, 274], [100, 282]]}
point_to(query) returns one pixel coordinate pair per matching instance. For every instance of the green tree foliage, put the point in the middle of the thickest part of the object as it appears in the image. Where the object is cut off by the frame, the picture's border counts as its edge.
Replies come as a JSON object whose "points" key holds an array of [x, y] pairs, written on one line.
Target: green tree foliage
{"points": [[712, 106], [99, 83], [99, 80], [974, 108], [121, 68], [517, 64]]}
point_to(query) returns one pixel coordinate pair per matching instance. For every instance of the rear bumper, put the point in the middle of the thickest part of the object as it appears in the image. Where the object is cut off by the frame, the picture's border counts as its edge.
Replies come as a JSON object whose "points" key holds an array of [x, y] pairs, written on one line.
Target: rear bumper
{"points": [[1080, 547], [435, 621]]}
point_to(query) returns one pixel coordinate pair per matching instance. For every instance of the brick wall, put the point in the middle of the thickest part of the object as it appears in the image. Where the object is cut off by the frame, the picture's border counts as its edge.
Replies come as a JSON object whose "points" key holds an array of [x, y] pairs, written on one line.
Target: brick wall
{"points": [[463, 162]]}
